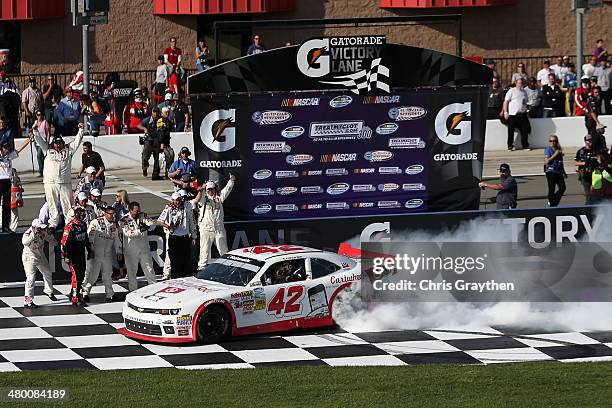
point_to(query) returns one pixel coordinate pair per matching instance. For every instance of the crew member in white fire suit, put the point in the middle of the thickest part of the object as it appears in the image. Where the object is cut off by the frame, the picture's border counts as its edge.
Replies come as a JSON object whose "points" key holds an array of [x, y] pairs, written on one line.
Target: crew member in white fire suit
{"points": [[95, 201], [134, 226], [211, 218], [103, 236], [56, 172], [33, 257]]}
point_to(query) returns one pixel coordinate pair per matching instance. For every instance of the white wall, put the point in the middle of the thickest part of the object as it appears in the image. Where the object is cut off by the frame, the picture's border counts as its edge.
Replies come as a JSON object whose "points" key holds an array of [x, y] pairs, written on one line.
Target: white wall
{"points": [[123, 151]]}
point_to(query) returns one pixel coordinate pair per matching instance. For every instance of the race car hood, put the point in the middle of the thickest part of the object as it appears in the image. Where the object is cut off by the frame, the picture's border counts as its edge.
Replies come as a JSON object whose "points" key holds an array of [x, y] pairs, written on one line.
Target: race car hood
{"points": [[177, 292]]}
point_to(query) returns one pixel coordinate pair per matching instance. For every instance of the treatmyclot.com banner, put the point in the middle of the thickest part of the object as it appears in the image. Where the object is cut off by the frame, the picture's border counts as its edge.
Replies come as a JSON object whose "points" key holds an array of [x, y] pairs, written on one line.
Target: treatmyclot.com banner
{"points": [[331, 154]]}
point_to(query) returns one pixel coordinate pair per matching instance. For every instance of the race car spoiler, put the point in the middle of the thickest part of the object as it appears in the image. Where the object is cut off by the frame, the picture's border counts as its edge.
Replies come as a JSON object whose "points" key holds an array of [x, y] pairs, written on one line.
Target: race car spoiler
{"points": [[350, 251]]}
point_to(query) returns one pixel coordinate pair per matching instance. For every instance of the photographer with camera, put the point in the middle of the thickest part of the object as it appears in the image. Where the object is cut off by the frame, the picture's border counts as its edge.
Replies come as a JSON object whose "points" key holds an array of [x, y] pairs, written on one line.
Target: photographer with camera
{"points": [[180, 227], [585, 162], [601, 184], [151, 143], [135, 226]]}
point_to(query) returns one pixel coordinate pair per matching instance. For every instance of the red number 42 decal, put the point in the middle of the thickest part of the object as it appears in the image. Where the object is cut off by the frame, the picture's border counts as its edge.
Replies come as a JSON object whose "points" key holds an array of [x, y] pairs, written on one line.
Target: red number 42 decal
{"points": [[287, 302]]}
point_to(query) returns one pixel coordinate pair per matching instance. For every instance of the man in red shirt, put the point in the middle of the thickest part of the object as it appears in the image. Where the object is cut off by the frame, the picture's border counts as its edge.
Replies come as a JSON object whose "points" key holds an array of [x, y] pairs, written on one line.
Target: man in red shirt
{"points": [[172, 54], [135, 112]]}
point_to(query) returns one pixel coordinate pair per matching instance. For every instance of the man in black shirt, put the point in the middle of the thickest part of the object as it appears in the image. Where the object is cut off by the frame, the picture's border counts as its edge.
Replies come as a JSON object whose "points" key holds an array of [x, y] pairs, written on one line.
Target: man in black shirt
{"points": [[585, 161], [52, 94], [553, 100], [507, 189], [593, 110], [496, 99], [92, 159], [181, 115]]}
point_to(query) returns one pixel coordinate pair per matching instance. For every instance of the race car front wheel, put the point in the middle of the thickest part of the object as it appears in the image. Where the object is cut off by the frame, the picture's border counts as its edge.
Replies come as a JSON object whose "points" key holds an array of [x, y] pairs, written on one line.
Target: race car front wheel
{"points": [[213, 324]]}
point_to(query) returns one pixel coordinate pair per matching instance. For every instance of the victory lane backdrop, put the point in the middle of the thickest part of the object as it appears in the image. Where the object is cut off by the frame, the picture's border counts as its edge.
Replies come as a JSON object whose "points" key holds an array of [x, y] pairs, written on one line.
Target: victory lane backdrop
{"points": [[330, 154]]}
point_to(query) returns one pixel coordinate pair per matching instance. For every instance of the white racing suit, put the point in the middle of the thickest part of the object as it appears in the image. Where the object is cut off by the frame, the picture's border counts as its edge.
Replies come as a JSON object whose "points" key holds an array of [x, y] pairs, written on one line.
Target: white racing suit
{"points": [[104, 239], [136, 248], [56, 175], [210, 223], [33, 257]]}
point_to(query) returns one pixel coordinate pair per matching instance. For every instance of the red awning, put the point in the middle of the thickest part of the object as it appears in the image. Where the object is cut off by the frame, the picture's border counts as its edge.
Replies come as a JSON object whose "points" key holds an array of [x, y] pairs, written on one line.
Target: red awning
{"points": [[442, 3], [30, 9], [220, 6]]}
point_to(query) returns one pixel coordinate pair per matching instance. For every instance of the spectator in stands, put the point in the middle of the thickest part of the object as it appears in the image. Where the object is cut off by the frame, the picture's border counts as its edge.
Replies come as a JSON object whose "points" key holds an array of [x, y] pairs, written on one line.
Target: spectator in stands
{"points": [[7, 155], [135, 112], [542, 75], [94, 112], [161, 80], [31, 101], [8, 86], [591, 117], [588, 69], [559, 69], [68, 113], [172, 54], [507, 190], [555, 173], [520, 68], [41, 124], [534, 99], [181, 115], [493, 66], [92, 159], [52, 95], [168, 103], [585, 162], [604, 79], [174, 80], [256, 47], [514, 111], [601, 179], [600, 54], [496, 99], [6, 134], [569, 86], [202, 53], [552, 98]]}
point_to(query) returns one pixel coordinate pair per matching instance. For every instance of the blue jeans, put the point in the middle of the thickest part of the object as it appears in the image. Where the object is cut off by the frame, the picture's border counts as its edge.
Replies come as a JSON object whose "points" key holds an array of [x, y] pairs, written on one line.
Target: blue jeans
{"points": [[94, 123], [40, 158]]}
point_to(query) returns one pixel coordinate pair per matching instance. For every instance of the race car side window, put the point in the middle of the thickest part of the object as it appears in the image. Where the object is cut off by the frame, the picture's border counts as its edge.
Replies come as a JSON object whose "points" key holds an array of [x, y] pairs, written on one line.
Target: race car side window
{"points": [[322, 267], [287, 271]]}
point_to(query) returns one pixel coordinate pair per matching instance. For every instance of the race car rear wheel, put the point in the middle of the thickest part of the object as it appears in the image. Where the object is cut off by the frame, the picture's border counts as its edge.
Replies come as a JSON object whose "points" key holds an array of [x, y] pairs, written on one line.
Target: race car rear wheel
{"points": [[213, 324]]}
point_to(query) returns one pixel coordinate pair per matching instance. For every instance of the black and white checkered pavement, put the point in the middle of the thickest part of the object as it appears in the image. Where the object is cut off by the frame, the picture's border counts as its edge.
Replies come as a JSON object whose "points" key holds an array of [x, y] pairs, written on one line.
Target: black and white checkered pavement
{"points": [[57, 335]]}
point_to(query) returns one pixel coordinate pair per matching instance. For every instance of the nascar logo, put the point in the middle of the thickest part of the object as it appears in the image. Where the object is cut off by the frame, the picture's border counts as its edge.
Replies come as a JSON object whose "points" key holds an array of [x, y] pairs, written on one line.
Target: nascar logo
{"points": [[370, 170], [311, 190], [271, 117], [388, 187], [340, 101], [262, 174], [414, 203], [414, 169], [286, 190], [292, 132], [300, 102], [338, 157], [413, 187], [297, 159], [336, 172], [337, 206], [371, 100], [338, 188], [312, 173], [389, 204], [262, 209], [363, 188], [378, 155], [312, 206], [387, 128], [271, 147], [389, 170], [285, 207], [286, 174], [407, 113], [262, 191], [363, 205]]}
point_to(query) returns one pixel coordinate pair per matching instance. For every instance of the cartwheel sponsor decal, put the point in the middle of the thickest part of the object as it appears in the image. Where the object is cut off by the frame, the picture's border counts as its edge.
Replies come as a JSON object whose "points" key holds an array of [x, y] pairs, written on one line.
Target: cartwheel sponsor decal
{"points": [[292, 132], [285, 207], [375, 100], [407, 113], [262, 209], [388, 187], [453, 123], [413, 187], [390, 170], [307, 173], [262, 174], [414, 203], [286, 190], [338, 157], [340, 101], [414, 169], [369, 204], [336, 172], [271, 147], [312, 206], [338, 188], [369, 170], [345, 130], [337, 206], [298, 159], [286, 174], [262, 191], [363, 188], [455, 156], [219, 164], [387, 128], [300, 102], [311, 190], [406, 143], [389, 204], [271, 117], [378, 155]]}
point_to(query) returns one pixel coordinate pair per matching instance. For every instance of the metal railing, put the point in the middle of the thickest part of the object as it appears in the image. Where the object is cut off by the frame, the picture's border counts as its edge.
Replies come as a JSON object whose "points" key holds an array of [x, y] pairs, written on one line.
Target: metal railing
{"points": [[507, 66]]}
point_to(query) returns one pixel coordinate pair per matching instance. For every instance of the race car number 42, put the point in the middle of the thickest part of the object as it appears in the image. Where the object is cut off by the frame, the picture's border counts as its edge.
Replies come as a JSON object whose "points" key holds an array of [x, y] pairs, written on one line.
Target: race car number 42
{"points": [[262, 249], [287, 302]]}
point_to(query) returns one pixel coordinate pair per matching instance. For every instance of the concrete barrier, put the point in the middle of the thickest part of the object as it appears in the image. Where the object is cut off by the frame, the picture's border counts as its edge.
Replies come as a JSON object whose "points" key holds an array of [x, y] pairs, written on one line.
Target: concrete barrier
{"points": [[123, 151]]}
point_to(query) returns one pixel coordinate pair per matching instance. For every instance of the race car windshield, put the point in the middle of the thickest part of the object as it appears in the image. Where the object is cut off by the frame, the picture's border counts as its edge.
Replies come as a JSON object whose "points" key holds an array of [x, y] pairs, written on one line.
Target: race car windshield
{"points": [[231, 270]]}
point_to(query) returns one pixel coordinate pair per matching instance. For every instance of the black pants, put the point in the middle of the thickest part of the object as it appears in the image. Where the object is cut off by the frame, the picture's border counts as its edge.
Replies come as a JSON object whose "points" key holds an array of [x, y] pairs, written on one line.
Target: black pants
{"points": [[70, 128], [179, 251], [591, 125], [520, 122], [586, 187], [555, 180], [76, 262], [147, 150], [5, 193]]}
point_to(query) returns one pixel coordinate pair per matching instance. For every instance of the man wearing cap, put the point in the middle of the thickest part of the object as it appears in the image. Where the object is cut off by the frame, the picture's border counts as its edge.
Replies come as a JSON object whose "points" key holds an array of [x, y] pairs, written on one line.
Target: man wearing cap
{"points": [[104, 238], [89, 182], [95, 200], [135, 112], [493, 66], [585, 162], [179, 225], [6, 175], [181, 114], [8, 86], [152, 143], [161, 79], [168, 103], [134, 226], [73, 245], [507, 190], [184, 165], [211, 219], [82, 201], [33, 257], [593, 110], [68, 113], [31, 101]]}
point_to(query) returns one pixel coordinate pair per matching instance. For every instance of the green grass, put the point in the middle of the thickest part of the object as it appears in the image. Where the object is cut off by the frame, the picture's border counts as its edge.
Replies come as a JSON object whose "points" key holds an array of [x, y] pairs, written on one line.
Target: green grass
{"points": [[508, 385]]}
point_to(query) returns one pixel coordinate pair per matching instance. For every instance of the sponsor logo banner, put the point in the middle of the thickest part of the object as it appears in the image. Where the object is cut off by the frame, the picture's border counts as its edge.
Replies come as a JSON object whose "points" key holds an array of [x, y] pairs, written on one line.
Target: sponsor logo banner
{"points": [[337, 206], [220, 164], [414, 203], [262, 209], [346, 130], [455, 156], [375, 100], [336, 172], [389, 204], [300, 102], [285, 207], [338, 157], [271, 117], [307, 173], [271, 147], [363, 188], [363, 205], [388, 187], [286, 190], [262, 191], [454, 123], [369, 170], [407, 113], [390, 170], [387, 128], [406, 143], [311, 206], [286, 174], [338, 188], [311, 190], [262, 174], [340, 101], [414, 169], [413, 187], [378, 155], [292, 132], [298, 159]]}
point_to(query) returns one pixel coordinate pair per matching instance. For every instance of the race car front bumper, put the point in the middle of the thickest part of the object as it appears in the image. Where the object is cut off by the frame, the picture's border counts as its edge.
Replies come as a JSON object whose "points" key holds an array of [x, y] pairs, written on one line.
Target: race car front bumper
{"points": [[156, 328]]}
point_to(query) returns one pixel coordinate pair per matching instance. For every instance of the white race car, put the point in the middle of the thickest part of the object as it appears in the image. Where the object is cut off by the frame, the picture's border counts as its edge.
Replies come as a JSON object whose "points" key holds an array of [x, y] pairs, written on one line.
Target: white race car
{"points": [[259, 289]]}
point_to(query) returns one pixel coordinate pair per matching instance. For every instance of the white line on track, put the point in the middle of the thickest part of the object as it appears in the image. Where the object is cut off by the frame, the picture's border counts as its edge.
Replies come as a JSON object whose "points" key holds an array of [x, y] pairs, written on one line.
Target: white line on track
{"points": [[138, 187]]}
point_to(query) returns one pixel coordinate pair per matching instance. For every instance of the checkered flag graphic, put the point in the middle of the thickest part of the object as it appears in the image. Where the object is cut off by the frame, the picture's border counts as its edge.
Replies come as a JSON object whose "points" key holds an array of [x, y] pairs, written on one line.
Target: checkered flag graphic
{"points": [[377, 77]]}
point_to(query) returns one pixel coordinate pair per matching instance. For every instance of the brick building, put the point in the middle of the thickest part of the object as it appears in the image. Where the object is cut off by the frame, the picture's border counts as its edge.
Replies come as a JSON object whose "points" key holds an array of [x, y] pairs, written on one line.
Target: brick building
{"points": [[42, 39]]}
